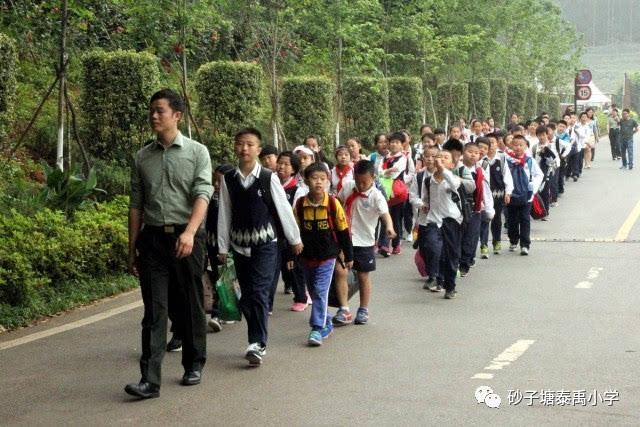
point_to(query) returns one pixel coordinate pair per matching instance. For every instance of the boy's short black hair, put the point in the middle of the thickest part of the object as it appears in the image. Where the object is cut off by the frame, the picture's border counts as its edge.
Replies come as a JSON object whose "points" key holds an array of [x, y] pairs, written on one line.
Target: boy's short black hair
{"points": [[520, 137], [439, 131], [470, 145], [364, 167], [563, 122], [491, 135], [429, 136], [519, 128], [175, 100], [483, 140], [583, 114], [268, 150], [453, 145], [315, 167], [510, 127], [248, 131], [551, 126], [294, 159], [501, 134], [542, 129], [626, 110], [224, 168], [398, 136]]}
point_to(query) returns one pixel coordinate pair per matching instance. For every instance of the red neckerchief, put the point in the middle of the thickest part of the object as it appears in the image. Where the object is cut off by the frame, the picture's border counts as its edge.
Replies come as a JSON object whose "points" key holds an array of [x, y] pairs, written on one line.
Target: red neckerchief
{"points": [[387, 163], [479, 189], [341, 175], [511, 156], [292, 182], [350, 201]]}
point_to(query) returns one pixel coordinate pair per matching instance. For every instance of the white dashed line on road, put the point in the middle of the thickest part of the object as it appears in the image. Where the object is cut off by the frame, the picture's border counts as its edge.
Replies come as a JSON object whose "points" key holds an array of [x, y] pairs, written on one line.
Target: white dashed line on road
{"points": [[592, 274], [505, 358]]}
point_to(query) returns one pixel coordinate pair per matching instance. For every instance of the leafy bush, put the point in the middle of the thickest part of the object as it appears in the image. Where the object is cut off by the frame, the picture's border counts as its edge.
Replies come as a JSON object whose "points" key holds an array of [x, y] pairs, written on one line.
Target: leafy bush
{"points": [[307, 109], [554, 106], [452, 99], [479, 99], [366, 108], [430, 106], [531, 104], [405, 103], [113, 177], [46, 250], [8, 67], [543, 103], [516, 97], [117, 89], [69, 190], [229, 94], [498, 100]]}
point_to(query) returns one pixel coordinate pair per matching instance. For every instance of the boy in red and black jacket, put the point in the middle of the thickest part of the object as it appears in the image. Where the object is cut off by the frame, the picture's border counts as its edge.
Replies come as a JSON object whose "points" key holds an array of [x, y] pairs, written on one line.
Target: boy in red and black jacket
{"points": [[325, 233]]}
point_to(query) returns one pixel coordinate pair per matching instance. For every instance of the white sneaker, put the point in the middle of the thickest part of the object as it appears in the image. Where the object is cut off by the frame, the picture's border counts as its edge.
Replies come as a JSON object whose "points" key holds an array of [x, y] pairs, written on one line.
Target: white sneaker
{"points": [[409, 238], [214, 324], [254, 354]]}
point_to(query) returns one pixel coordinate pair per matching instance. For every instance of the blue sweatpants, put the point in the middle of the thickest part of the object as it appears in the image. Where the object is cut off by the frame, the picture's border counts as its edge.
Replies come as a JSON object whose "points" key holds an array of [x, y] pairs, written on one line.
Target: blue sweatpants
{"points": [[318, 279]]}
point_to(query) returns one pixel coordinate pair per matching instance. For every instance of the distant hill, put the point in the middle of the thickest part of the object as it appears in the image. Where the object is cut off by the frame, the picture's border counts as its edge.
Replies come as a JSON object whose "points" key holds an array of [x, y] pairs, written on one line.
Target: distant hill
{"points": [[612, 37]]}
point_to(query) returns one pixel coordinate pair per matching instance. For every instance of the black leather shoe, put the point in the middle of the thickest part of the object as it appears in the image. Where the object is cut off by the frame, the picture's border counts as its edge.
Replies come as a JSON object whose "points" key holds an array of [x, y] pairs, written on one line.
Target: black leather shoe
{"points": [[144, 390], [191, 378]]}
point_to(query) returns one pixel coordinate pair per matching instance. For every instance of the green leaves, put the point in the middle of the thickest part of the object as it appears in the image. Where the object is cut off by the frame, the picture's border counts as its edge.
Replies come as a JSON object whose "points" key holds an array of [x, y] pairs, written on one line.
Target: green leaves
{"points": [[8, 69], [68, 191]]}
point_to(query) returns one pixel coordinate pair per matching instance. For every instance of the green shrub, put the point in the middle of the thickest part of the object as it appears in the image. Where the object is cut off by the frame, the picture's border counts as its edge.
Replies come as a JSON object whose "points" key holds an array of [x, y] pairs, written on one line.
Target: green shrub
{"points": [[543, 103], [113, 177], [229, 94], [430, 106], [452, 99], [531, 103], [8, 84], [117, 89], [602, 122], [479, 99], [307, 109], [499, 101], [554, 106], [516, 97], [69, 190], [405, 103], [46, 250], [366, 108]]}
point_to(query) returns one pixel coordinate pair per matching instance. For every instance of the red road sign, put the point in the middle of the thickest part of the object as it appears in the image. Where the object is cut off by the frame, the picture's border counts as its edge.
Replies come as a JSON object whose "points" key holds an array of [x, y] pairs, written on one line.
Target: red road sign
{"points": [[584, 77], [583, 93]]}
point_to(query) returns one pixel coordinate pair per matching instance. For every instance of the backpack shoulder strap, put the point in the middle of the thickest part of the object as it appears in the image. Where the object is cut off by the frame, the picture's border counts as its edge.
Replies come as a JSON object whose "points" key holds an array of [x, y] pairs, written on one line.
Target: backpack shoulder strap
{"points": [[419, 179], [331, 216]]}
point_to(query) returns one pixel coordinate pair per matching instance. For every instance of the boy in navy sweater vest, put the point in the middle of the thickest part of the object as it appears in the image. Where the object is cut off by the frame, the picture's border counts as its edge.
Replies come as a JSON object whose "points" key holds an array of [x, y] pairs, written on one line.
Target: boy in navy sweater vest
{"points": [[253, 205]]}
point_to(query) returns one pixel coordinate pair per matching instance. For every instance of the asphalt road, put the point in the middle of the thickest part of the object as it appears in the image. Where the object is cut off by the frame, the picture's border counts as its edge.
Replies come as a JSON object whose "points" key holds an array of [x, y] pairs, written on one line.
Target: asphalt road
{"points": [[418, 362]]}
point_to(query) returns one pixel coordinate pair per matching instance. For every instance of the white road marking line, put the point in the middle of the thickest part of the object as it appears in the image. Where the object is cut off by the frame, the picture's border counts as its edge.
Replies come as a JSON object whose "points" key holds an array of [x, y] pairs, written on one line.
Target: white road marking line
{"points": [[584, 285], [70, 326], [594, 272], [505, 358]]}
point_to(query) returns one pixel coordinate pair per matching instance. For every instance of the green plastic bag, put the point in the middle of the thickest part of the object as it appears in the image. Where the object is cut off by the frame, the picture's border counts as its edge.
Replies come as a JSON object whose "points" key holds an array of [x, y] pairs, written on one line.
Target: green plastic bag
{"points": [[228, 292]]}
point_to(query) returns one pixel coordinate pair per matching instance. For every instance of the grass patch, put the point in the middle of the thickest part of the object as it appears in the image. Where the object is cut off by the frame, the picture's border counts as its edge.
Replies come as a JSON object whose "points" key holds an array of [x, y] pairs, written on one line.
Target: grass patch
{"points": [[51, 301]]}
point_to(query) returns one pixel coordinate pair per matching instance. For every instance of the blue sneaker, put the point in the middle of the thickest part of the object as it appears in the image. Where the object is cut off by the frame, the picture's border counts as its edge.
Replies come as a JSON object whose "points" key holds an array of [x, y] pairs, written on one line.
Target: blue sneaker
{"points": [[362, 317], [315, 339], [327, 331], [623, 167], [342, 317]]}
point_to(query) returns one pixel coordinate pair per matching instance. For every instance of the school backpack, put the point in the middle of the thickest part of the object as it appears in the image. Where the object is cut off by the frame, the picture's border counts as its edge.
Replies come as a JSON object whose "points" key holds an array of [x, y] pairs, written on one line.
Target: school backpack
{"points": [[463, 200], [331, 214], [521, 194]]}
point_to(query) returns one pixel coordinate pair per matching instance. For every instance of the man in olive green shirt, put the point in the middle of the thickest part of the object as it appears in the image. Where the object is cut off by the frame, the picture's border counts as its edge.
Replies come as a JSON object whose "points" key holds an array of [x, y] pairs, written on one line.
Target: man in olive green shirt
{"points": [[170, 191]]}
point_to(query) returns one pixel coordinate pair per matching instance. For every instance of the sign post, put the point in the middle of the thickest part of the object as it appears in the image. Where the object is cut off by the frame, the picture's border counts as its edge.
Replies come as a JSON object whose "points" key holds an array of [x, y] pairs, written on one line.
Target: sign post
{"points": [[582, 90]]}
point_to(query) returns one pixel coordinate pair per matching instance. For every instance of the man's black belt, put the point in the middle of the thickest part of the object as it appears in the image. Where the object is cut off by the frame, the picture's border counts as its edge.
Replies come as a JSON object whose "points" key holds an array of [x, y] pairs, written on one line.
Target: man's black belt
{"points": [[169, 229]]}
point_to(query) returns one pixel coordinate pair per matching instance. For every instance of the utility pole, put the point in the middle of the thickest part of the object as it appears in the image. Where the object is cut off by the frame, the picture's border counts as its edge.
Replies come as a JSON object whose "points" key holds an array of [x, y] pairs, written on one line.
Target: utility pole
{"points": [[61, 96]]}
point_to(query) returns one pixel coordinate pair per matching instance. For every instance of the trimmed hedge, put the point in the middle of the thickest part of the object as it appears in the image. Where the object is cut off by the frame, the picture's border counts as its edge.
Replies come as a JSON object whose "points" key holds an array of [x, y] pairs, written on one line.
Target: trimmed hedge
{"points": [[430, 106], [115, 103], [46, 250], [479, 99], [543, 103], [452, 99], [366, 108], [498, 100], [307, 109], [8, 84], [531, 104], [229, 95], [405, 103], [516, 97], [554, 106]]}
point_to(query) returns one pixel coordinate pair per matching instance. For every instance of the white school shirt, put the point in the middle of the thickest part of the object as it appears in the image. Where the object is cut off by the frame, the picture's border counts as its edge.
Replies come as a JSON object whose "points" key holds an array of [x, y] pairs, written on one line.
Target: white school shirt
{"points": [[487, 196], [438, 198], [534, 175], [416, 201], [365, 213], [565, 146], [335, 179], [582, 134], [410, 170], [289, 225], [499, 156], [400, 164], [533, 145], [474, 138]]}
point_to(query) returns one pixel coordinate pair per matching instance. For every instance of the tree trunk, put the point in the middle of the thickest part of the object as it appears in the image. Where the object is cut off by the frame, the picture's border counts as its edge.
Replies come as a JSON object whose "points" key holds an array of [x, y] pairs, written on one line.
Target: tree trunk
{"points": [[63, 45], [184, 67]]}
